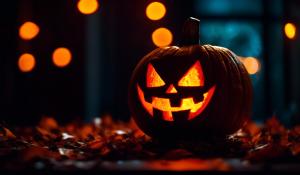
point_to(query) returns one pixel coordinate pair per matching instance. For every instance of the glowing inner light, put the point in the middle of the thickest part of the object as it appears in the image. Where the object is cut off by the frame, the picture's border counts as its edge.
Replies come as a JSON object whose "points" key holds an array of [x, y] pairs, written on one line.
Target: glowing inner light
{"points": [[171, 89], [164, 105], [194, 76], [26, 62], [162, 37], [61, 57], [87, 7], [290, 30], [152, 77], [28, 30], [155, 11], [252, 65]]}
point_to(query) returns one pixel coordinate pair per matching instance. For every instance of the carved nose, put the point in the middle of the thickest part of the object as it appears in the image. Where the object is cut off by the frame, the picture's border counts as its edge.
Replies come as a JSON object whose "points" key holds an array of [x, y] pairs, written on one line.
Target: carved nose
{"points": [[171, 89]]}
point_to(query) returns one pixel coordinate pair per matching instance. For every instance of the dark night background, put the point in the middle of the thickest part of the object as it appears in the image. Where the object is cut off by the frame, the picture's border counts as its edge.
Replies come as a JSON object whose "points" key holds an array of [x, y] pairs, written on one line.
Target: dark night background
{"points": [[108, 44]]}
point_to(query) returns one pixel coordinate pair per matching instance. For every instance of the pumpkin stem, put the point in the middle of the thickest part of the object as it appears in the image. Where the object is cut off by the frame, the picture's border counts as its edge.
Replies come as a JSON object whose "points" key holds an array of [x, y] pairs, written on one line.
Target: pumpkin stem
{"points": [[190, 32]]}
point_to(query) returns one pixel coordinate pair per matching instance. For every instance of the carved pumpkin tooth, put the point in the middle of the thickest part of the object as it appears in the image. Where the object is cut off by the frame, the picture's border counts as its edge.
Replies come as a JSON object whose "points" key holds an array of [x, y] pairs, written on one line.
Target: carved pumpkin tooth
{"points": [[198, 99], [158, 114], [175, 102], [148, 98], [167, 116]]}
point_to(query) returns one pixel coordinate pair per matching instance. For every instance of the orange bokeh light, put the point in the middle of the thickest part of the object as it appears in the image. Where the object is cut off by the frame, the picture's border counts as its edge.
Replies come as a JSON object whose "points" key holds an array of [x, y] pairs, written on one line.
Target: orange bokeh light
{"points": [[28, 30], [155, 11], [290, 30], [61, 57], [26, 62], [162, 37], [252, 65], [87, 7]]}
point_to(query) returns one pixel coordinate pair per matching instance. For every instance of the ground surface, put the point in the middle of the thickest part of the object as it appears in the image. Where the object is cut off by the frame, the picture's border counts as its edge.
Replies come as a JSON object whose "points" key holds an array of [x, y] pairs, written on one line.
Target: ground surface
{"points": [[114, 146]]}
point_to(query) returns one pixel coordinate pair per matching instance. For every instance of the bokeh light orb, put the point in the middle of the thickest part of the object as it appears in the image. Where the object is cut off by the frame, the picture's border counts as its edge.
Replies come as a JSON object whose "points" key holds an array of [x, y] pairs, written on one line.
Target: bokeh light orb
{"points": [[61, 57], [290, 30], [28, 30], [26, 62], [88, 7], [155, 11], [162, 37], [252, 65]]}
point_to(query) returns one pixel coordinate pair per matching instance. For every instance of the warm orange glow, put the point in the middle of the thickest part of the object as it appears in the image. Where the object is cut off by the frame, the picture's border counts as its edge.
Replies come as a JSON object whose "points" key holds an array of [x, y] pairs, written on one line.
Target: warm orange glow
{"points": [[171, 89], [88, 6], [290, 30], [194, 77], [61, 57], [146, 105], [190, 165], [207, 97], [252, 65], [28, 30], [164, 105], [152, 77], [155, 11], [162, 37], [167, 116], [26, 62]]}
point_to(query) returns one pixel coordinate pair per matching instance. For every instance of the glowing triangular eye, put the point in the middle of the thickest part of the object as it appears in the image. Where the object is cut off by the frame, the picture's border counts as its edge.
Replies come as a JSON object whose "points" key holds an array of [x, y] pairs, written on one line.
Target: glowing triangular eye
{"points": [[194, 76], [152, 78]]}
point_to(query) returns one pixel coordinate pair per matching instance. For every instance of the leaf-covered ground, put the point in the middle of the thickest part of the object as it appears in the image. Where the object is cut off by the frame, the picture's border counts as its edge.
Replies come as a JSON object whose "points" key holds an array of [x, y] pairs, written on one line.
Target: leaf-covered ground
{"points": [[86, 145]]}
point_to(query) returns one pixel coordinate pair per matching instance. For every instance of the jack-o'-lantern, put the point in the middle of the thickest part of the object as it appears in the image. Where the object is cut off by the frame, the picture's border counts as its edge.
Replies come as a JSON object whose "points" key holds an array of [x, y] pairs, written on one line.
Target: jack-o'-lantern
{"points": [[190, 91]]}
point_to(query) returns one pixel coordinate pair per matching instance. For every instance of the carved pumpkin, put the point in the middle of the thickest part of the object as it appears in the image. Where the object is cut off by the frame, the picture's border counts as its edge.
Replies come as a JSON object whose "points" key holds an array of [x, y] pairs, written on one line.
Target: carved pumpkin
{"points": [[190, 91]]}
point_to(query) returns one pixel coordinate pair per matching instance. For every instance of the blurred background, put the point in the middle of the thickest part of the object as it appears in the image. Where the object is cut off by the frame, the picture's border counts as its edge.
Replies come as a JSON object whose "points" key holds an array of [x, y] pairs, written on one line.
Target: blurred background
{"points": [[74, 58]]}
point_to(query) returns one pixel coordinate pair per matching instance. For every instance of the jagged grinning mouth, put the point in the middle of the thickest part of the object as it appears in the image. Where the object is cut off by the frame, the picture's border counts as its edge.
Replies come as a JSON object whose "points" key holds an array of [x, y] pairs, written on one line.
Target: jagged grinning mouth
{"points": [[164, 105]]}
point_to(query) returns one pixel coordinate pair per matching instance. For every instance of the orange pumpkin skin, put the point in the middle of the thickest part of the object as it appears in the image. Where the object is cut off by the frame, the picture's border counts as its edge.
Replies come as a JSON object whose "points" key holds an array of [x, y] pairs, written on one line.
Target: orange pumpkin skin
{"points": [[189, 92]]}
